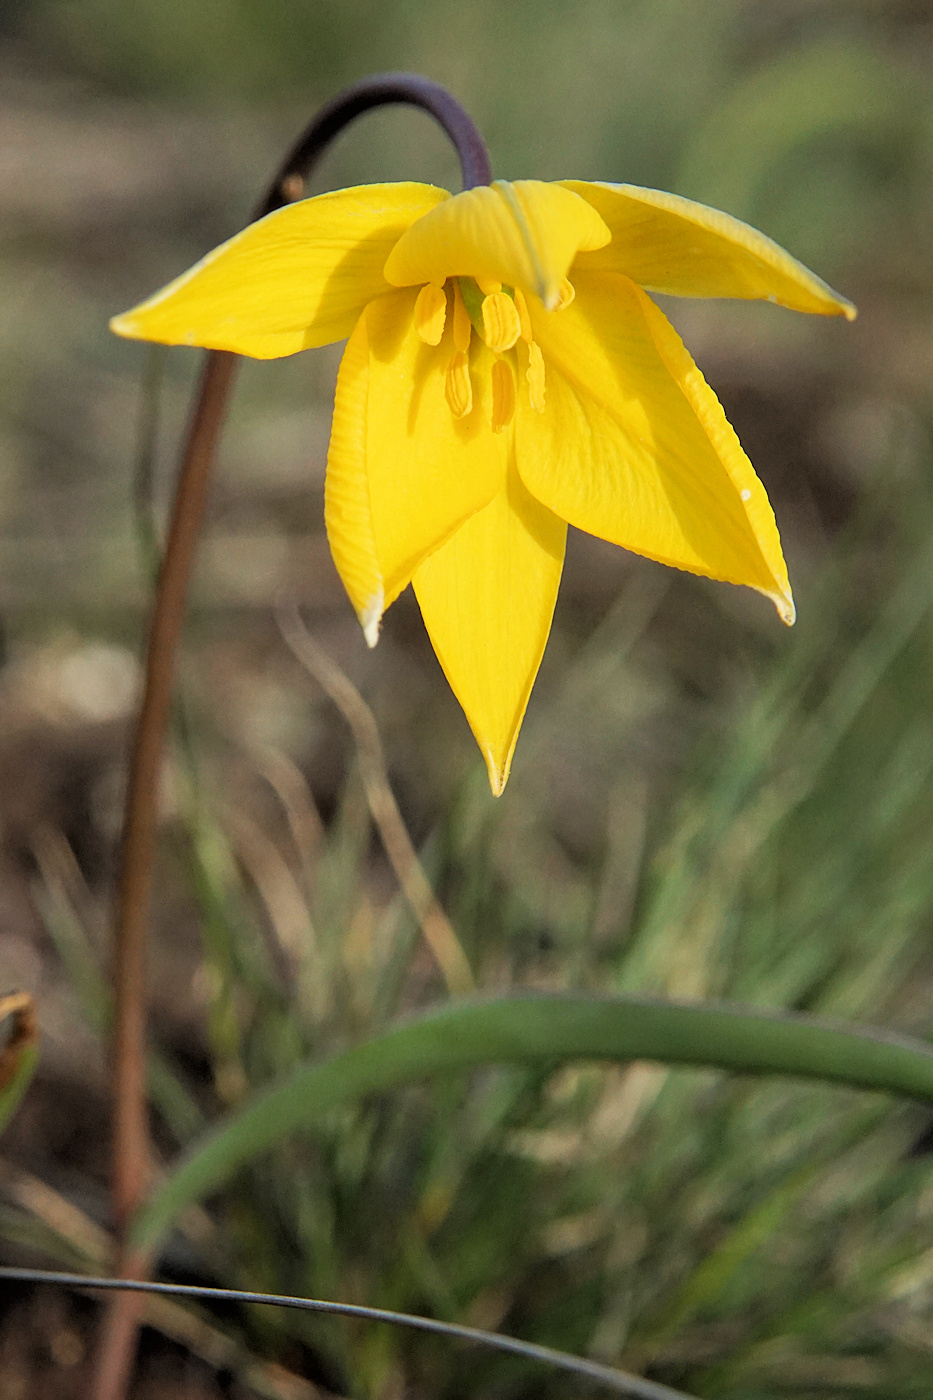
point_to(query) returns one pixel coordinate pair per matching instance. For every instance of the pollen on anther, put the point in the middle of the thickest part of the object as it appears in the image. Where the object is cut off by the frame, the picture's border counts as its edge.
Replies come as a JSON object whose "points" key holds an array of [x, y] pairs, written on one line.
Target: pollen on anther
{"points": [[431, 313], [501, 324], [458, 388]]}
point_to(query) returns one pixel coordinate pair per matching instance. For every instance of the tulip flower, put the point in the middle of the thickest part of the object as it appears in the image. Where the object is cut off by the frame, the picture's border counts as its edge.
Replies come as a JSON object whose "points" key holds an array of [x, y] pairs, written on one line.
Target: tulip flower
{"points": [[506, 374]]}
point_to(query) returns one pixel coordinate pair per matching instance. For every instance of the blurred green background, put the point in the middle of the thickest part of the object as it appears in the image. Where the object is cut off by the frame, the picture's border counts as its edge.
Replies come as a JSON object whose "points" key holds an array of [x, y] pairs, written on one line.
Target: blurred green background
{"points": [[702, 804]]}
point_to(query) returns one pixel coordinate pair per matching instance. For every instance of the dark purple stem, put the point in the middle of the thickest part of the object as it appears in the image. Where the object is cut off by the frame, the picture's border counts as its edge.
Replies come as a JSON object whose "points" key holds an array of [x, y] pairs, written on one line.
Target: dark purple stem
{"points": [[385, 89]]}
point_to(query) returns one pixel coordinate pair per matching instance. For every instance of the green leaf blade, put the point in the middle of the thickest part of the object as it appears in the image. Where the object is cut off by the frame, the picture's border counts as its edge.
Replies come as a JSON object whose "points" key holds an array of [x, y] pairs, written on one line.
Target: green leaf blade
{"points": [[542, 1030]]}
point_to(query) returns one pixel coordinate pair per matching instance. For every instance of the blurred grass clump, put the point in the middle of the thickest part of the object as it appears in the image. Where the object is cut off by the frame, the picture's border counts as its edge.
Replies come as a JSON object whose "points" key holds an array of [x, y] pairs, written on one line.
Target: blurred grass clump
{"points": [[701, 806]]}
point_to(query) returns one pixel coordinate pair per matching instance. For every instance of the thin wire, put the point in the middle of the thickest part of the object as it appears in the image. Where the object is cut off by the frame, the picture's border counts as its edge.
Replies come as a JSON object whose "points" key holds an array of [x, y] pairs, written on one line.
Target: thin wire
{"points": [[620, 1381]]}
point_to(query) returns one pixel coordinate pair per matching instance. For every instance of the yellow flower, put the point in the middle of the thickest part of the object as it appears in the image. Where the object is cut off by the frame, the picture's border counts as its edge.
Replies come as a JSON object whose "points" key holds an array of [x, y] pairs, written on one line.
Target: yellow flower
{"points": [[505, 375]]}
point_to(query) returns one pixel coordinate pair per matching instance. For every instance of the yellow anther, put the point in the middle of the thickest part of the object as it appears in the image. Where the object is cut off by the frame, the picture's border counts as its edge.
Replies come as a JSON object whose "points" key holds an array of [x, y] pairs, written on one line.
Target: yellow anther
{"points": [[535, 376], [431, 313], [503, 396], [565, 296], [458, 388], [501, 326], [463, 326], [524, 320], [488, 285]]}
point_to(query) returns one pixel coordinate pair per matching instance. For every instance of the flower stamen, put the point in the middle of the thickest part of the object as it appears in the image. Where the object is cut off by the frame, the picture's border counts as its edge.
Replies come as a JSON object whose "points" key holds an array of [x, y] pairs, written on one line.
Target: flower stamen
{"points": [[501, 323], [535, 377], [458, 387], [431, 313], [524, 320]]}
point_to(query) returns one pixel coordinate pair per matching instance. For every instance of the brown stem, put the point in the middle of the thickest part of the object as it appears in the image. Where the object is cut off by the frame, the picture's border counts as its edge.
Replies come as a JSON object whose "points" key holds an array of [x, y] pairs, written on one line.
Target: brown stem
{"points": [[117, 1341], [134, 892], [130, 1167]]}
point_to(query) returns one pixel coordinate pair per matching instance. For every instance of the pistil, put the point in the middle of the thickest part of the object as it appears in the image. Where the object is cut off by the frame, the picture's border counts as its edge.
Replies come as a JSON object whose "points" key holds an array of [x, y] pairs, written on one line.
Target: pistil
{"points": [[463, 327], [503, 395]]}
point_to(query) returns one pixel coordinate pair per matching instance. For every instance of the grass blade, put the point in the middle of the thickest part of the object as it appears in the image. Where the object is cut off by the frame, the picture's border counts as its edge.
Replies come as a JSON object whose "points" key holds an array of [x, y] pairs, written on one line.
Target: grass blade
{"points": [[542, 1030]]}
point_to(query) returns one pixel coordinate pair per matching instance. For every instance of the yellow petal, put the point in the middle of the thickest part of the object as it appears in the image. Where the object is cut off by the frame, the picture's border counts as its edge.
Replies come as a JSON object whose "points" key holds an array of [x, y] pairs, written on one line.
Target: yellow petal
{"points": [[523, 234], [347, 513], [566, 296], [487, 598], [297, 278], [633, 445], [427, 470], [674, 245]]}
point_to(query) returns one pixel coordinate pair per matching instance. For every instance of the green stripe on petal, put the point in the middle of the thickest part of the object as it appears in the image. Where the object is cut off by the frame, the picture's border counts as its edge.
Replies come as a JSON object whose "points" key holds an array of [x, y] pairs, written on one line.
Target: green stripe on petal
{"points": [[524, 234]]}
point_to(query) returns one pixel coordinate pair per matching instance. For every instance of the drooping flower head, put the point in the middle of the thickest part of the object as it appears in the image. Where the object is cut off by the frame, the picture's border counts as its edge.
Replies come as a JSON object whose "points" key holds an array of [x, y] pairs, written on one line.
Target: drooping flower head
{"points": [[505, 374]]}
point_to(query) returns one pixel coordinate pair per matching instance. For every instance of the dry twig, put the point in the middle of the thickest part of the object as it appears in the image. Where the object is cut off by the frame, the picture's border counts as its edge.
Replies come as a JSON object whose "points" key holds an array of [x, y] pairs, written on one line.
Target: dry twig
{"points": [[435, 925]]}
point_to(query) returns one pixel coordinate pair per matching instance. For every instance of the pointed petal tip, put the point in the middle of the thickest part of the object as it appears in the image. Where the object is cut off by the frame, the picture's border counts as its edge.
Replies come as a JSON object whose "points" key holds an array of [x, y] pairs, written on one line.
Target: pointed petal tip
{"points": [[498, 771], [786, 610], [122, 324], [836, 303], [371, 618]]}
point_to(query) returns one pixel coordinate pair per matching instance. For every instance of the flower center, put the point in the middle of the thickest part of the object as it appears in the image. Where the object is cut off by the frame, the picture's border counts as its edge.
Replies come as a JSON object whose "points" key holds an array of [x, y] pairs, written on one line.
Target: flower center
{"points": [[499, 316]]}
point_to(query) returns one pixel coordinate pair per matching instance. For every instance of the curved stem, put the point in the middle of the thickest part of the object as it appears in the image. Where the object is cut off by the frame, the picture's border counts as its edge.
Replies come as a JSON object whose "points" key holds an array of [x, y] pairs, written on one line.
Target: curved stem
{"points": [[134, 891], [116, 1346], [136, 871], [384, 89]]}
